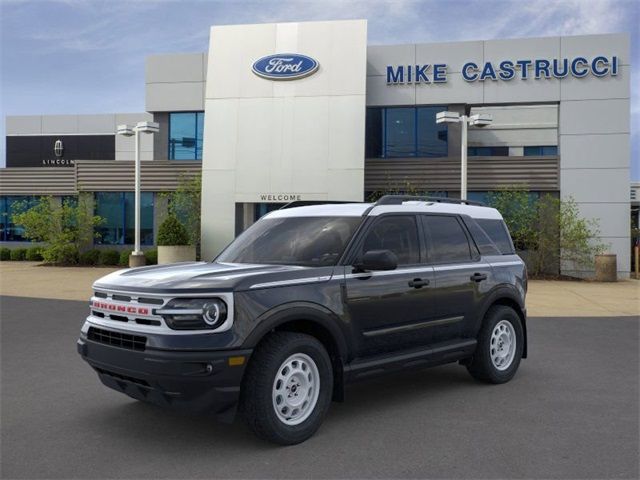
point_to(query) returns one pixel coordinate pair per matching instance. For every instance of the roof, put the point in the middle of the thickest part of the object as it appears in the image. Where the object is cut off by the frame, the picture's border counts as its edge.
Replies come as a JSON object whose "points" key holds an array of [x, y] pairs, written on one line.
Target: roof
{"points": [[358, 209]]}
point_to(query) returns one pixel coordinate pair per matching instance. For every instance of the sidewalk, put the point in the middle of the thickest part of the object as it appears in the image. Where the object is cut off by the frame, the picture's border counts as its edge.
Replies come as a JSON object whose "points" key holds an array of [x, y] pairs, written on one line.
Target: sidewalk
{"points": [[544, 299]]}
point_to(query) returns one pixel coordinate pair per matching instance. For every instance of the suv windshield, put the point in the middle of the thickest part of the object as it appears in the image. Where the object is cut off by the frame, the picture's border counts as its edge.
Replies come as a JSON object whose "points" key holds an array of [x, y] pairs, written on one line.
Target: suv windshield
{"points": [[305, 241]]}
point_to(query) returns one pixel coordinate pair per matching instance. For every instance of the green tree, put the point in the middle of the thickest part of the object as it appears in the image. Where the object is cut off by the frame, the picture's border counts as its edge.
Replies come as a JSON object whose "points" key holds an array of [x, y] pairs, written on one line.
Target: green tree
{"points": [[549, 229], [65, 228], [184, 203], [172, 232]]}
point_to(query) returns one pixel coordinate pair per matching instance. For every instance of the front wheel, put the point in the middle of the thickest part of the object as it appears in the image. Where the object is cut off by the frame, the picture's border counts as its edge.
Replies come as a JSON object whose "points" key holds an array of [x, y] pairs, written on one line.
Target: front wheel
{"points": [[500, 346], [287, 388]]}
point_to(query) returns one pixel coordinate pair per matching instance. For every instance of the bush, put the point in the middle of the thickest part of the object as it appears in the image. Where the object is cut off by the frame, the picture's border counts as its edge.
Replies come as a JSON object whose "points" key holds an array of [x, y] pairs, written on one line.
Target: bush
{"points": [[124, 258], [172, 232], [151, 257], [18, 254], [5, 254], [90, 257], [63, 228], [34, 254], [109, 257], [61, 254]]}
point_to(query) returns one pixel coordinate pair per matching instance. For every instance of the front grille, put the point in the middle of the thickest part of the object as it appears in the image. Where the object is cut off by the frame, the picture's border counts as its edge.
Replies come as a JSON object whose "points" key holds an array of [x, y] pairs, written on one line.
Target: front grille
{"points": [[117, 339]]}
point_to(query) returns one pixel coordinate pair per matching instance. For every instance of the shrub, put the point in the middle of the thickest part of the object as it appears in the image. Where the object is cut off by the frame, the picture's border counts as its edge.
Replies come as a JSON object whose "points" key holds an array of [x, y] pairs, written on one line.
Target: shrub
{"points": [[151, 257], [184, 202], [109, 257], [61, 254], [90, 257], [5, 254], [172, 232], [34, 254], [123, 261], [18, 254]]}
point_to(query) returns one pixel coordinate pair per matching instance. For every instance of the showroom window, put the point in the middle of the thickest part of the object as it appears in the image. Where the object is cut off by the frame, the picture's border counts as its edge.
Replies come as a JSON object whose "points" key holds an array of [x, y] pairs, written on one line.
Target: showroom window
{"points": [[117, 210], [488, 151], [185, 135], [405, 132], [547, 150], [9, 231]]}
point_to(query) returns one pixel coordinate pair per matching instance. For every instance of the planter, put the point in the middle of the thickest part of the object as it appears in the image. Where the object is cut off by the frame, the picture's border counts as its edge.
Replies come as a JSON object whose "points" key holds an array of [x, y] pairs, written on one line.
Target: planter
{"points": [[606, 268], [176, 253]]}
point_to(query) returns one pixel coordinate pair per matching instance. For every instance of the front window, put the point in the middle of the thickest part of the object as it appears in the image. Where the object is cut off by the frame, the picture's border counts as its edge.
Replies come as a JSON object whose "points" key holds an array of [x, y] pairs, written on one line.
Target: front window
{"points": [[304, 241], [185, 135]]}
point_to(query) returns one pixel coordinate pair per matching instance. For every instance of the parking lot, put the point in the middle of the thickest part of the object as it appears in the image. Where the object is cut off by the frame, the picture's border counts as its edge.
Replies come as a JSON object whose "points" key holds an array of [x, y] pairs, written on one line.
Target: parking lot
{"points": [[572, 411]]}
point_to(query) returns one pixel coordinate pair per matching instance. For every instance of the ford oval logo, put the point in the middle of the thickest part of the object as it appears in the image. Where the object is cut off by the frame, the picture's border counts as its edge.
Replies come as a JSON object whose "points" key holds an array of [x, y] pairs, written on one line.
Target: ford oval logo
{"points": [[285, 66]]}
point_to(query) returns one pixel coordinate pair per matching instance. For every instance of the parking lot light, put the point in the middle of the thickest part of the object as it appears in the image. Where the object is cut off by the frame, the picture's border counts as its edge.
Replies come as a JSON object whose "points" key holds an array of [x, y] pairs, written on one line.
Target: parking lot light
{"points": [[477, 120], [136, 258]]}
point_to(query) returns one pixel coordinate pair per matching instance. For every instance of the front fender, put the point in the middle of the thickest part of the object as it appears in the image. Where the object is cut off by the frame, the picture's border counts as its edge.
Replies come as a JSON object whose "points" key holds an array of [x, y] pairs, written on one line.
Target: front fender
{"points": [[293, 311]]}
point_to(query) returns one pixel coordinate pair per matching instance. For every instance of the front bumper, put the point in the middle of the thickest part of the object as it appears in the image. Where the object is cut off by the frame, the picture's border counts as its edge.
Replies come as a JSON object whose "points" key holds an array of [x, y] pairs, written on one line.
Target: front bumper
{"points": [[201, 381]]}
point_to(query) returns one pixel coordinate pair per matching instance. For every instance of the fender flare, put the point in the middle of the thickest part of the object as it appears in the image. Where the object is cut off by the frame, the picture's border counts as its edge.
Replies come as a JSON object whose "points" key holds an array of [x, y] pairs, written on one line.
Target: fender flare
{"points": [[295, 311], [508, 292]]}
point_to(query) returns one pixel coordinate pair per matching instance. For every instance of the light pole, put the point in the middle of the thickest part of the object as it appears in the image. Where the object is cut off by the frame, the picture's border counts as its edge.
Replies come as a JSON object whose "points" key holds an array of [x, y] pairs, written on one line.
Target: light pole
{"points": [[136, 259], [479, 120]]}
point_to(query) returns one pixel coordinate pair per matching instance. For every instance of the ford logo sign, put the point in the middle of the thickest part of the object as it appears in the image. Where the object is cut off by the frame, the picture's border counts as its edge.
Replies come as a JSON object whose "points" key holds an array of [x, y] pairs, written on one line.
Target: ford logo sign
{"points": [[285, 66]]}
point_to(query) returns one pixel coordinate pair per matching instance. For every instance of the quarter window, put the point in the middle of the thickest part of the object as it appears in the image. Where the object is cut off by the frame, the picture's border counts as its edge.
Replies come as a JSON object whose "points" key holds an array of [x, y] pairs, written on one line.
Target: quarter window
{"points": [[398, 234], [446, 239]]}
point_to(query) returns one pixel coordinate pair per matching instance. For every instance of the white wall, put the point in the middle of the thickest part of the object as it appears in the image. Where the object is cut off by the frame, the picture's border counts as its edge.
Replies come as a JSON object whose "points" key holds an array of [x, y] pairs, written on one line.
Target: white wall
{"points": [[302, 137]]}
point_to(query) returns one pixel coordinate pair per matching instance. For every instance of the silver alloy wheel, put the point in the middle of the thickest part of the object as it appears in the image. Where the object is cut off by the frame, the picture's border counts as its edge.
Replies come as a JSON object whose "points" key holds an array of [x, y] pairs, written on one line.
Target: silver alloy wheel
{"points": [[296, 389], [503, 345]]}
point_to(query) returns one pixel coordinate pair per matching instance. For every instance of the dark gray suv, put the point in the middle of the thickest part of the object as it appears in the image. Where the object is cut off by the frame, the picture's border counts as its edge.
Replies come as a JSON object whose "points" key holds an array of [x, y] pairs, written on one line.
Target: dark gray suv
{"points": [[308, 299]]}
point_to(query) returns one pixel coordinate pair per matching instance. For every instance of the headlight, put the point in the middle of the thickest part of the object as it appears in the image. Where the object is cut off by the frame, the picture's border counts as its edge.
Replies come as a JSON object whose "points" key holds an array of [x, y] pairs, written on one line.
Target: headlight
{"points": [[194, 313]]}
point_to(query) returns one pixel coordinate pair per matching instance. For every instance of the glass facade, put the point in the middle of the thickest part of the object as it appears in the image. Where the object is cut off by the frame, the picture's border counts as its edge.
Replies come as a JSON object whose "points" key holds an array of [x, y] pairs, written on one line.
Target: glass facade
{"points": [[488, 151], [405, 132], [548, 150], [9, 231], [117, 209], [185, 135]]}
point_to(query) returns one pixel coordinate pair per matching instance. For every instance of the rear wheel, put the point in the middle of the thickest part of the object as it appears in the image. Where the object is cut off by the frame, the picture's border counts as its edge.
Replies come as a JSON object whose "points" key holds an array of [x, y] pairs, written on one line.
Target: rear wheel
{"points": [[500, 345], [287, 388]]}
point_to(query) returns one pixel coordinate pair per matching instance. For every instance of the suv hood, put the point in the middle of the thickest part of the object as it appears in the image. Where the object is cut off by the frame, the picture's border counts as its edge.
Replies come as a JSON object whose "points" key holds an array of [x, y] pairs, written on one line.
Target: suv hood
{"points": [[196, 277]]}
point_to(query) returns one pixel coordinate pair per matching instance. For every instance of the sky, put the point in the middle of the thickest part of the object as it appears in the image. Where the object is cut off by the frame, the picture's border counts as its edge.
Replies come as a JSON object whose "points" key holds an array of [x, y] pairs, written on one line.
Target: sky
{"points": [[76, 56]]}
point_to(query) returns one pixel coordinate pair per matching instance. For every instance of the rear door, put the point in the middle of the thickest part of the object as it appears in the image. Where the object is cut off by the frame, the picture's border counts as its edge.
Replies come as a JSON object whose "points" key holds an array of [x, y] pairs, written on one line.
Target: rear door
{"points": [[460, 276], [388, 310]]}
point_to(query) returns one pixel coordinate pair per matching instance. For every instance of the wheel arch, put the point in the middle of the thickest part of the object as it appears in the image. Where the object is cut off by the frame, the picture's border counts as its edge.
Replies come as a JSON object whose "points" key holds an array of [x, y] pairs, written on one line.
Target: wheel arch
{"points": [[507, 297], [314, 320]]}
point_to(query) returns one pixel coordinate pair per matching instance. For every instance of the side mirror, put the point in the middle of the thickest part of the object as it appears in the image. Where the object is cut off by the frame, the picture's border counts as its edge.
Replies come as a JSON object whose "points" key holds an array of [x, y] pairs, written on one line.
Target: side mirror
{"points": [[378, 260]]}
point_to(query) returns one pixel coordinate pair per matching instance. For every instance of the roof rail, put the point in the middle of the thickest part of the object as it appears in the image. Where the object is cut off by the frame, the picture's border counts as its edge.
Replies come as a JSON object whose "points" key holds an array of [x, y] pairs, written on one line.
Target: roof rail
{"points": [[399, 199], [305, 203]]}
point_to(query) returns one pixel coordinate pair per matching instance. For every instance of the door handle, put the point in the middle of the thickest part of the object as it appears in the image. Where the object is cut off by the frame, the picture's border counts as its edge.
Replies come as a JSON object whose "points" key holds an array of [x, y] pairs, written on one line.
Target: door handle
{"points": [[478, 277], [418, 283]]}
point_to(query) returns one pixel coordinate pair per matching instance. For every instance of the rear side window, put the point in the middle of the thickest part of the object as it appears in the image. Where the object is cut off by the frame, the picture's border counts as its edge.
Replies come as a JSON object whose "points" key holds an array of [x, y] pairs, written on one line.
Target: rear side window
{"points": [[398, 234], [498, 233], [446, 239], [483, 242]]}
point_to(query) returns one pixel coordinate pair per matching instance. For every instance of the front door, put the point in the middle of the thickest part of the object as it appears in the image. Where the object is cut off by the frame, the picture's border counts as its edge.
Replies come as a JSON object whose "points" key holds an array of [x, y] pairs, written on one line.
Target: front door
{"points": [[389, 310]]}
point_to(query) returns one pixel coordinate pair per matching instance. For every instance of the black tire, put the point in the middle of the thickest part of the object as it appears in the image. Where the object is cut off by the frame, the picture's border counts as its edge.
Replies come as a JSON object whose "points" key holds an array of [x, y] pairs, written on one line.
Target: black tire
{"points": [[257, 404], [481, 367]]}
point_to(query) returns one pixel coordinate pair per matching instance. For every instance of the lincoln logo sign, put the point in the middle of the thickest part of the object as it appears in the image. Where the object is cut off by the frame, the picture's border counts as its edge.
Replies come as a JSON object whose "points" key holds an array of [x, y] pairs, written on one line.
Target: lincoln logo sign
{"points": [[58, 149], [577, 67], [285, 66]]}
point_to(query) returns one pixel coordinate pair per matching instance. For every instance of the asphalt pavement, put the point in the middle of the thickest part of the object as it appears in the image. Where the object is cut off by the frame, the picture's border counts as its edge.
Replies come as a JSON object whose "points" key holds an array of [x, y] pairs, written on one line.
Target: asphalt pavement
{"points": [[570, 412]]}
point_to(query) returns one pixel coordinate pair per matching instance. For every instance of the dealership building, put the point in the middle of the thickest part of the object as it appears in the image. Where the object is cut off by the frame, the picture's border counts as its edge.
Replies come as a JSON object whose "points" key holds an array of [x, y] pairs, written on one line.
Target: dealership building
{"points": [[274, 113]]}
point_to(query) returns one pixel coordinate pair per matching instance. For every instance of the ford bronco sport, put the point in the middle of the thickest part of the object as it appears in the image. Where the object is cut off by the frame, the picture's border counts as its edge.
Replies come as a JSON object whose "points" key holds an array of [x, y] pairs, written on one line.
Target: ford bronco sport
{"points": [[308, 299]]}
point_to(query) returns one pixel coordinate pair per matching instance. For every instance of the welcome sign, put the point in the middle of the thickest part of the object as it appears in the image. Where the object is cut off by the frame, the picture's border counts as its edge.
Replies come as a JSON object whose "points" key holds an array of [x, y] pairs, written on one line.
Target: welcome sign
{"points": [[506, 70]]}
